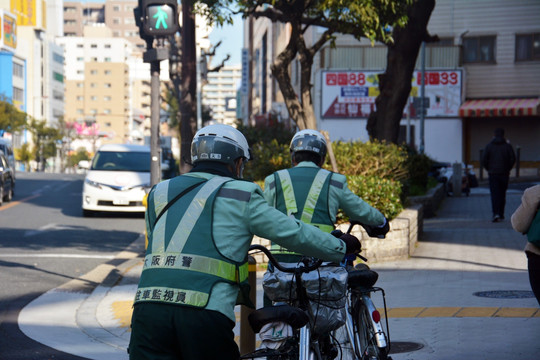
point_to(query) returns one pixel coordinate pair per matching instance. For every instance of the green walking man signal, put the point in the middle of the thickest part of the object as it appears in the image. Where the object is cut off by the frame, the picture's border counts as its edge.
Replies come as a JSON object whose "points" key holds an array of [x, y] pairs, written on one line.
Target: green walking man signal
{"points": [[159, 18]]}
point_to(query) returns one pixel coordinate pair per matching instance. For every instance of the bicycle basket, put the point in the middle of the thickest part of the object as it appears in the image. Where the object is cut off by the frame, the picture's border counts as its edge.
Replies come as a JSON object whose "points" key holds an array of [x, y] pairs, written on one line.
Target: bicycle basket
{"points": [[326, 289]]}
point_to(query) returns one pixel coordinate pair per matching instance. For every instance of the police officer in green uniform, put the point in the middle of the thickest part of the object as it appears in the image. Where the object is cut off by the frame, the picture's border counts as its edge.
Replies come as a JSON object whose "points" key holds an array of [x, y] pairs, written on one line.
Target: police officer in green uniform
{"points": [[314, 195], [199, 227]]}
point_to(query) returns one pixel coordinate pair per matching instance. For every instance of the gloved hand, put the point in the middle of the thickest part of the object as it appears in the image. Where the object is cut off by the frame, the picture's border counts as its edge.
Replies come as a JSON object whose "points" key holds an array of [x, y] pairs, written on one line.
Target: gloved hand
{"points": [[352, 244], [378, 231]]}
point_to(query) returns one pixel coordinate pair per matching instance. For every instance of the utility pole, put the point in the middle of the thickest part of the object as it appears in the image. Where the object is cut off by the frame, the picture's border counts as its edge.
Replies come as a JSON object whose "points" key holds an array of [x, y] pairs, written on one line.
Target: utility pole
{"points": [[188, 86]]}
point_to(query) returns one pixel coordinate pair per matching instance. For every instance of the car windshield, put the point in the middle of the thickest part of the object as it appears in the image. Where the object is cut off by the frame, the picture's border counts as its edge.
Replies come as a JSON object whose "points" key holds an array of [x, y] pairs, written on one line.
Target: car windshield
{"points": [[121, 161]]}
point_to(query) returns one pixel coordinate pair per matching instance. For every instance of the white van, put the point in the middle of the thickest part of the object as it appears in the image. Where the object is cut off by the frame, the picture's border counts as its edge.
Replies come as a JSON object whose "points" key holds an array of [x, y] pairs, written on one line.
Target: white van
{"points": [[5, 147], [118, 179]]}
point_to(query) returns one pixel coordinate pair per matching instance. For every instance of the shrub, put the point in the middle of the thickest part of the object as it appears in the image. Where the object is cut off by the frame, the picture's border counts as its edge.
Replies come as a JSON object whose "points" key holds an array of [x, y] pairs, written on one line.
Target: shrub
{"points": [[373, 158], [418, 168], [383, 194]]}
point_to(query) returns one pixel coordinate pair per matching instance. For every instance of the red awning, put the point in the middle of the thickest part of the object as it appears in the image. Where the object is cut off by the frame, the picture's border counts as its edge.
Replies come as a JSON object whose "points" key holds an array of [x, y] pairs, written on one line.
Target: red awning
{"points": [[500, 107]]}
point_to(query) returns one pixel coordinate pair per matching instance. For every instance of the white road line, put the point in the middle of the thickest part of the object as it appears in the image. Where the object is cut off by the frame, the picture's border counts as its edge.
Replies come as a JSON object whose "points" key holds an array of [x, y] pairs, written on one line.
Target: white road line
{"points": [[49, 227], [70, 256]]}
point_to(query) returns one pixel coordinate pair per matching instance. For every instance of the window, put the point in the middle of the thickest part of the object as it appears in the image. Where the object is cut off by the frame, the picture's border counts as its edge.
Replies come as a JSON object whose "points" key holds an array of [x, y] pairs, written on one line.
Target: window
{"points": [[80, 46], [58, 77], [80, 72], [93, 98], [92, 85], [80, 58], [108, 85], [80, 111], [107, 111], [107, 46], [480, 49], [107, 98], [107, 59], [80, 85], [80, 98], [18, 94], [107, 72], [528, 47], [93, 72], [93, 46], [18, 70]]}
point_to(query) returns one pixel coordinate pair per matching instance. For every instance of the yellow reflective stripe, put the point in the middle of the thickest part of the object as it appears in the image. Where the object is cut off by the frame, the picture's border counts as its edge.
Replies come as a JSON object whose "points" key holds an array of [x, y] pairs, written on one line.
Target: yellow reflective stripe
{"points": [[313, 195], [192, 214], [161, 195], [243, 272], [198, 263], [172, 296], [288, 191]]}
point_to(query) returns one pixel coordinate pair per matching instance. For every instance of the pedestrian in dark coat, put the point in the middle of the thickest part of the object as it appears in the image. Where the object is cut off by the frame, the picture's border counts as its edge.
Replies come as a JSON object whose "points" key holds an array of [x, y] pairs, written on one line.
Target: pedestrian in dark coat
{"points": [[498, 159]]}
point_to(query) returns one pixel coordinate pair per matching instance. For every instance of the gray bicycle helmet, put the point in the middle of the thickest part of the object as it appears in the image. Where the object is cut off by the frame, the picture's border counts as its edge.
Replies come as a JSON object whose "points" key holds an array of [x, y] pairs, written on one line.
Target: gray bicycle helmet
{"points": [[309, 140], [220, 143]]}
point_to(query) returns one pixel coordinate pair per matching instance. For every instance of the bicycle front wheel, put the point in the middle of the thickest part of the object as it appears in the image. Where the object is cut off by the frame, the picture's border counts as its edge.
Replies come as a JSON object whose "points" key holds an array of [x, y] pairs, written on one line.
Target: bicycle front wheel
{"points": [[367, 342]]}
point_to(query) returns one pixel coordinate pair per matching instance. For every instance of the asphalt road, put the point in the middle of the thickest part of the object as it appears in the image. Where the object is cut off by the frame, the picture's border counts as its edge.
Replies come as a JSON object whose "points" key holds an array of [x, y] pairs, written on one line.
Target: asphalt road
{"points": [[44, 243]]}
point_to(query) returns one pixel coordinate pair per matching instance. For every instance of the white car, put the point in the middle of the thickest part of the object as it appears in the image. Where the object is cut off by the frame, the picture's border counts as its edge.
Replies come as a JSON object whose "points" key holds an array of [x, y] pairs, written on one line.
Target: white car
{"points": [[117, 180]]}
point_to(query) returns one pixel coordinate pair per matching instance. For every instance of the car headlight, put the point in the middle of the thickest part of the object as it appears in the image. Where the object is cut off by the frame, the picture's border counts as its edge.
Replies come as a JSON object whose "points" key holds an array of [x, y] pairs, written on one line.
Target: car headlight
{"points": [[92, 183]]}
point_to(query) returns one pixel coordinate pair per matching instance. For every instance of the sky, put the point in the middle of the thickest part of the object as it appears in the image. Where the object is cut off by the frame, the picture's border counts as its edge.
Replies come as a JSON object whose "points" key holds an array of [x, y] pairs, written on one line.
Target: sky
{"points": [[232, 41]]}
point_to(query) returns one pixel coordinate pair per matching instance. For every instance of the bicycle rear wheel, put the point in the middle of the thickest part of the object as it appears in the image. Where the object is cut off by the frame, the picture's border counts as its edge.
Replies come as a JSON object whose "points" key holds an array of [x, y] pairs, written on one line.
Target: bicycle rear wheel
{"points": [[343, 345], [367, 346]]}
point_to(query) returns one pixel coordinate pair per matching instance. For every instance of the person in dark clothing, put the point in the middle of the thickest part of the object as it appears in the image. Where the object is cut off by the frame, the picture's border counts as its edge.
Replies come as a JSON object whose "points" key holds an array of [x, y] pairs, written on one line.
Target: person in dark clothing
{"points": [[498, 159]]}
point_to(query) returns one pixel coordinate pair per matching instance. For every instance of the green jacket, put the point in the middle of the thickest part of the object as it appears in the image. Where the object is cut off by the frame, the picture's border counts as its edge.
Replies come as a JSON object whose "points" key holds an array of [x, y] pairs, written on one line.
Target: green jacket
{"points": [[237, 212], [333, 194]]}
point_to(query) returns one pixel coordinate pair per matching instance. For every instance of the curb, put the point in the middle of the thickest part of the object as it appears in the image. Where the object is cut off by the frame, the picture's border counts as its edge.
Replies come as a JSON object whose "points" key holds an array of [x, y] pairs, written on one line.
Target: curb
{"points": [[107, 276]]}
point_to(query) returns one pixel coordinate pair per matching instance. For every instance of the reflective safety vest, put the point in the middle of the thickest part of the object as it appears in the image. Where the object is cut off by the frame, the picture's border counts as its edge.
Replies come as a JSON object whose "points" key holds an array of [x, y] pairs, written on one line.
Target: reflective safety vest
{"points": [[182, 262], [315, 208]]}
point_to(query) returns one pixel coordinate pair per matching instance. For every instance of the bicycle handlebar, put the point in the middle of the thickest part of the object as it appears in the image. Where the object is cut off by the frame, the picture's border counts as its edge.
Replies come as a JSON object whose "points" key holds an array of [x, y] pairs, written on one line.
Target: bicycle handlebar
{"points": [[290, 270], [370, 230]]}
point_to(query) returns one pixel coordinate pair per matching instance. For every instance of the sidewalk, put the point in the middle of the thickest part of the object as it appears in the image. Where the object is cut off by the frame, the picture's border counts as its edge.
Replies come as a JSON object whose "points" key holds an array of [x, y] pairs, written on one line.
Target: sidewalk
{"points": [[463, 294]]}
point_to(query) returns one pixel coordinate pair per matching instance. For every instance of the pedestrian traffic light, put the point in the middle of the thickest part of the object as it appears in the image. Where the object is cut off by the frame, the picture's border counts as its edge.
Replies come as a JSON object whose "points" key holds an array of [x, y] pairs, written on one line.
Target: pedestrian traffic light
{"points": [[159, 17]]}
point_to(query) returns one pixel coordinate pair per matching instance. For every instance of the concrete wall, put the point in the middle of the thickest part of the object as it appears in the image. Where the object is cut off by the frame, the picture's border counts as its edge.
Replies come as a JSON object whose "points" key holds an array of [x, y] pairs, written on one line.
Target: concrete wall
{"points": [[399, 244]]}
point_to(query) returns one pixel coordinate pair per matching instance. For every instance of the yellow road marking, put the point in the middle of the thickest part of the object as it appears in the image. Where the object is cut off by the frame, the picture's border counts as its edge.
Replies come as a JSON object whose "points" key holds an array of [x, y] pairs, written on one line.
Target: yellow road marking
{"points": [[14, 203], [477, 312], [122, 312]]}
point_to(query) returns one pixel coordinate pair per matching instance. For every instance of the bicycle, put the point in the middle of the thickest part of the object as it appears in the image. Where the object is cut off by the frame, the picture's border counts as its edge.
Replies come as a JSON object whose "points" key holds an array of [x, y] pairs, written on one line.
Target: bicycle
{"points": [[361, 337]]}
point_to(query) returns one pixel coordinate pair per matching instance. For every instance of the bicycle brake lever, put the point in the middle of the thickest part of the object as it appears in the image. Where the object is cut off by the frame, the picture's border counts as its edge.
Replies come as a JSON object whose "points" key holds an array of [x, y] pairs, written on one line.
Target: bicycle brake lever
{"points": [[361, 257]]}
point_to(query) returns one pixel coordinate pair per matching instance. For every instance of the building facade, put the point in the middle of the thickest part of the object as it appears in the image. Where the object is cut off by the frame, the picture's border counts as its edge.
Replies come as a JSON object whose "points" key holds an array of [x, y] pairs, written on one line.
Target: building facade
{"points": [[483, 74], [219, 94]]}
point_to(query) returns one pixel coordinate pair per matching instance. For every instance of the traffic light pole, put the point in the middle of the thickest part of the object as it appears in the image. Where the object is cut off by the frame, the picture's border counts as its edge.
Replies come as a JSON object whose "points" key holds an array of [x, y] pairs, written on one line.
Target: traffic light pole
{"points": [[155, 149], [154, 56], [157, 20]]}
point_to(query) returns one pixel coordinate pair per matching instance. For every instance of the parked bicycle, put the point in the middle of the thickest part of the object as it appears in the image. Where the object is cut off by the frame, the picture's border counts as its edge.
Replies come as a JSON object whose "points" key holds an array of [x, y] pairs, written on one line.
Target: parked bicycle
{"points": [[321, 311]]}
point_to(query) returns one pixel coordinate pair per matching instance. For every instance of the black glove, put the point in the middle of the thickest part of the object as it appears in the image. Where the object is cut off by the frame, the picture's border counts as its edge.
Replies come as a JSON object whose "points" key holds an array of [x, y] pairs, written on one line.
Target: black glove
{"points": [[352, 244], [377, 231]]}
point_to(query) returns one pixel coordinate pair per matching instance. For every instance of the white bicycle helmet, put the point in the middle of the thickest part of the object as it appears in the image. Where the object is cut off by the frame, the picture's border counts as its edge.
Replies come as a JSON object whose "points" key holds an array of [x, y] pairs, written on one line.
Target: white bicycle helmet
{"points": [[309, 140], [220, 143]]}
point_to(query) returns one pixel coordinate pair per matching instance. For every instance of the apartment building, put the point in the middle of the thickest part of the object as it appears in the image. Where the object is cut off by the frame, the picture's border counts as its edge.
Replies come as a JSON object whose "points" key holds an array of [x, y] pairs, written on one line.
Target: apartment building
{"points": [[219, 94], [116, 14], [483, 74], [79, 14], [98, 87]]}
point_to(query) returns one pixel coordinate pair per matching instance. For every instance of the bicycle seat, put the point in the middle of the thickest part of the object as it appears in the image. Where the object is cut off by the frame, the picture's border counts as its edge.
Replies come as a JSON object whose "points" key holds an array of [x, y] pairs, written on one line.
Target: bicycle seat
{"points": [[363, 278], [293, 316]]}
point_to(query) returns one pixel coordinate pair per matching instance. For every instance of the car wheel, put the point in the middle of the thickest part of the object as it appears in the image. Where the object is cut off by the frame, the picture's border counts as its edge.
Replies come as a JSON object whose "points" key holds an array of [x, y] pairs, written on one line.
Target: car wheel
{"points": [[9, 195]]}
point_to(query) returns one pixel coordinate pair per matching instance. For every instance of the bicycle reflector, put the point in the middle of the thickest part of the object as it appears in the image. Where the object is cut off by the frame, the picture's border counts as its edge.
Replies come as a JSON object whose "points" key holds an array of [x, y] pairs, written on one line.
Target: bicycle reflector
{"points": [[376, 316]]}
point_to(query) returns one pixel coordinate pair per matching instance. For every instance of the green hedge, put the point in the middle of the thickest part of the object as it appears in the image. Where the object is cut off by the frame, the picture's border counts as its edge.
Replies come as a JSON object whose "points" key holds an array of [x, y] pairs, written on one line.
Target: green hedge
{"points": [[382, 174]]}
